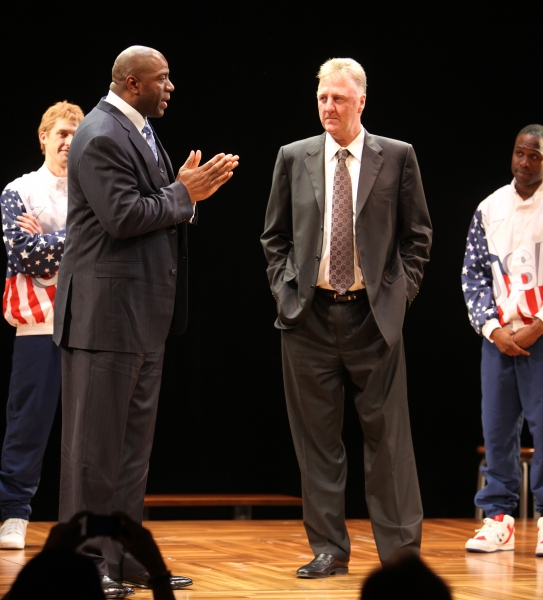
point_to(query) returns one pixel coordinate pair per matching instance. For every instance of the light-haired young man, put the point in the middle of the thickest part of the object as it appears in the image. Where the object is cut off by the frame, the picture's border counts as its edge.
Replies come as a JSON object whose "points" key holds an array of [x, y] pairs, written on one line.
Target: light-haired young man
{"points": [[33, 220]]}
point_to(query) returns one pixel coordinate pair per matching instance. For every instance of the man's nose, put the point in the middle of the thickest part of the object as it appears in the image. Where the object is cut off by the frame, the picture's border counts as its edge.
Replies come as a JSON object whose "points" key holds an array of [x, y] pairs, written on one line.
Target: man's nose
{"points": [[169, 86], [68, 140]]}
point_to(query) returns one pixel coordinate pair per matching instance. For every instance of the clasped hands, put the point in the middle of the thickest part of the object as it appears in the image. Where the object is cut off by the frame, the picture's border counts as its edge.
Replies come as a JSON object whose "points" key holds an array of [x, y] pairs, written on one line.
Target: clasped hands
{"points": [[202, 182], [514, 343]]}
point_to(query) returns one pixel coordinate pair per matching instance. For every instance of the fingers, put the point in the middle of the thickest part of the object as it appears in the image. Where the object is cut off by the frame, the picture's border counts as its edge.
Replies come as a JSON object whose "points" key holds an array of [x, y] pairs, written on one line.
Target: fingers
{"points": [[513, 349], [222, 162], [27, 225], [189, 161], [520, 351], [193, 160]]}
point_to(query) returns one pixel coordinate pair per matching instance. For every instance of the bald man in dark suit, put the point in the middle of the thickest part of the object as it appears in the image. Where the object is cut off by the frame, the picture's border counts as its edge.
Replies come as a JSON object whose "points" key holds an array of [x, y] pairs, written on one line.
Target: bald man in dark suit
{"points": [[122, 287]]}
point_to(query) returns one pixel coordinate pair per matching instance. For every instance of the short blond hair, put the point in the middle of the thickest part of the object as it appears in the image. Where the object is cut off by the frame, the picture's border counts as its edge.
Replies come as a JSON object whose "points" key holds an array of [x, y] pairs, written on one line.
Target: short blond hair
{"points": [[344, 66], [60, 110]]}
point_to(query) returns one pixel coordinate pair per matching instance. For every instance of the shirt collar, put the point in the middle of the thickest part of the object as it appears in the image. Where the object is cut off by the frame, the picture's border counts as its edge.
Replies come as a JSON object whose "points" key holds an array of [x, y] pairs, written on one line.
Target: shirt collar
{"points": [[54, 182], [355, 147], [126, 109], [535, 196]]}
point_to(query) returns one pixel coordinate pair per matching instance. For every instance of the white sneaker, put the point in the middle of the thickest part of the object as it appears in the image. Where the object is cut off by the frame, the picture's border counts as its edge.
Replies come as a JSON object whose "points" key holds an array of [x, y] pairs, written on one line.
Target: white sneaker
{"points": [[496, 534], [539, 547], [12, 534]]}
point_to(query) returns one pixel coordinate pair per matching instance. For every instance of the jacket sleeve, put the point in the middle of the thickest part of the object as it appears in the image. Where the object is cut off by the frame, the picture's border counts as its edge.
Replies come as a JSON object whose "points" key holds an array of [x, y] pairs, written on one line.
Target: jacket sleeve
{"points": [[477, 277], [414, 225], [277, 239], [32, 254], [109, 183]]}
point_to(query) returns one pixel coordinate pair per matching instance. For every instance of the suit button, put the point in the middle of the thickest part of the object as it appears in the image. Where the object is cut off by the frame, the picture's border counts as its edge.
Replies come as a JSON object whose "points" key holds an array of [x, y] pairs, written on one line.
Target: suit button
{"points": [[173, 271], [322, 228], [173, 231], [162, 170], [313, 287], [317, 257]]}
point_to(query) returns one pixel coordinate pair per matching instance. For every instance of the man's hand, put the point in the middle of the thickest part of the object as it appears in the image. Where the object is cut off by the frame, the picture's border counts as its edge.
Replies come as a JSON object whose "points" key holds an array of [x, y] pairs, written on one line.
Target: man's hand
{"points": [[67, 535], [29, 224], [503, 338], [202, 182], [139, 541], [528, 336]]}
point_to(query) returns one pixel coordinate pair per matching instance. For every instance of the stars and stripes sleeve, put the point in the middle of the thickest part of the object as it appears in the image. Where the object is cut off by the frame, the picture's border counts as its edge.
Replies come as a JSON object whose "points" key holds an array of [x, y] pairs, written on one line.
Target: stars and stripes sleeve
{"points": [[33, 254], [477, 276]]}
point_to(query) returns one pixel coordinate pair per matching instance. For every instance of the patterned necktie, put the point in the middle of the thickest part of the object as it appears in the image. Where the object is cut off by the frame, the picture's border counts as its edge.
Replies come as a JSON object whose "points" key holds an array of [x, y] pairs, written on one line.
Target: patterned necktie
{"points": [[341, 235], [150, 139]]}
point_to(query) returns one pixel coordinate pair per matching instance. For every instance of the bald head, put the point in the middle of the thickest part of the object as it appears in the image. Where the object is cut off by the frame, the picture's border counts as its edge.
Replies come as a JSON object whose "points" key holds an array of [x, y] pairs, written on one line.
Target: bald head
{"points": [[141, 78], [136, 60]]}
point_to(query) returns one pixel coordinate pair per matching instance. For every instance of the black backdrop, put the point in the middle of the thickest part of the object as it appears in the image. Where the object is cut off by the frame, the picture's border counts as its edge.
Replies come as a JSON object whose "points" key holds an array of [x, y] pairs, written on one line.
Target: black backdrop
{"points": [[456, 80]]}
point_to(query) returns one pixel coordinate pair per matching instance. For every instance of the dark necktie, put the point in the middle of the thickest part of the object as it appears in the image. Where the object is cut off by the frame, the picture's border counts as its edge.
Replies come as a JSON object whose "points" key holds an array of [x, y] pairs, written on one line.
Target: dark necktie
{"points": [[150, 139], [341, 234]]}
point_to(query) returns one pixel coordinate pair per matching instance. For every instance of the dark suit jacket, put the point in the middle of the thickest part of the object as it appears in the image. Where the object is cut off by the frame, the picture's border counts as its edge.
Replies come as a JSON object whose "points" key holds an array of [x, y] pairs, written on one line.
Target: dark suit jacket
{"points": [[123, 278], [393, 229]]}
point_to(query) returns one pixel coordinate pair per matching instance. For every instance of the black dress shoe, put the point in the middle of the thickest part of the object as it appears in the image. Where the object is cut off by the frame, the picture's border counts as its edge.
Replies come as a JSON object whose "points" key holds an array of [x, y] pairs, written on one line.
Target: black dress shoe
{"points": [[323, 565], [142, 581], [114, 589]]}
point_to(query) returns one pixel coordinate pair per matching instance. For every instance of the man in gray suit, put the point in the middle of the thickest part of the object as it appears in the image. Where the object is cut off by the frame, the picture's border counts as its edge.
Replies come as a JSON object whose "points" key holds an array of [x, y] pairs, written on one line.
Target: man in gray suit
{"points": [[346, 237], [122, 286]]}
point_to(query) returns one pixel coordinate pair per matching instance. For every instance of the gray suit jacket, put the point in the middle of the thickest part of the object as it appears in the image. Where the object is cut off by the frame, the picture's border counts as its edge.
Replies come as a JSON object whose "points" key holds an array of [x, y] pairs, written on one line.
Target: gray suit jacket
{"points": [[123, 278], [393, 229]]}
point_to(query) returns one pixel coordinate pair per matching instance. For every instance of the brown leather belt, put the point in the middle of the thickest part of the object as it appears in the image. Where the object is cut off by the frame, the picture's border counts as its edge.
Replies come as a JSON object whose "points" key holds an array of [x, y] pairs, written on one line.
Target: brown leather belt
{"points": [[347, 297]]}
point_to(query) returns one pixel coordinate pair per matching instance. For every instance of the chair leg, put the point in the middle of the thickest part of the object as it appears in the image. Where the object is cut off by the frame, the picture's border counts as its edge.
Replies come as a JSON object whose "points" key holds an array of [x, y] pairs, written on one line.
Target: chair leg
{"points": [[523, 500], [481, 482]]}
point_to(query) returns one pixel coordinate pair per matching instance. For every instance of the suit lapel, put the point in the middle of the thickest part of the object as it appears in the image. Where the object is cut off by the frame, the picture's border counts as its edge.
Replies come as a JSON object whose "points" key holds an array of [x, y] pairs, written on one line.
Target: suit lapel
{"points": [[137, 140], [147, 154], [165, 158], [369, 169], [314, 164]]}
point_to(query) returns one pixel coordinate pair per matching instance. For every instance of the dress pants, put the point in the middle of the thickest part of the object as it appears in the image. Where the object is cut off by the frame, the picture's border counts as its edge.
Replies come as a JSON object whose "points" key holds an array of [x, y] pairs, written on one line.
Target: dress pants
{"points": [[34, 390], [109, 410], [336, 339], [512, 389]]}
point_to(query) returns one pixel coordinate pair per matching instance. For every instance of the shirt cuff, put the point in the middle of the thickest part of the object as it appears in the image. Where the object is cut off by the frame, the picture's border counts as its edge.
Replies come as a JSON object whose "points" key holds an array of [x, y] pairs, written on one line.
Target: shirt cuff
{"points": [[489, 327]]}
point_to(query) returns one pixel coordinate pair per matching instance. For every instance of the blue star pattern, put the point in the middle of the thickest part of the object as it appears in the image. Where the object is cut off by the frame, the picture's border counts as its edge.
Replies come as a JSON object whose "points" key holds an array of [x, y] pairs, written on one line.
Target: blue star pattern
{"points": [[37, 255], [477, 276]]}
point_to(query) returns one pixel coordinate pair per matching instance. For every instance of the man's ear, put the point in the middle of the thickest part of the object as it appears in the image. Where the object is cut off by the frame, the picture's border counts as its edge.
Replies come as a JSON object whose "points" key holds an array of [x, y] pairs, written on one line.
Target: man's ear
{"points": [[362, 102], [132, 84]]}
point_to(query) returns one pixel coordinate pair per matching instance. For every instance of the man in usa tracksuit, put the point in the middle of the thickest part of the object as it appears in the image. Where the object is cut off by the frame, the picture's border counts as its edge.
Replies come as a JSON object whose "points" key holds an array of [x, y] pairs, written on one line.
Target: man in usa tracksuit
{"points": [[34, 210], [502, 281]]}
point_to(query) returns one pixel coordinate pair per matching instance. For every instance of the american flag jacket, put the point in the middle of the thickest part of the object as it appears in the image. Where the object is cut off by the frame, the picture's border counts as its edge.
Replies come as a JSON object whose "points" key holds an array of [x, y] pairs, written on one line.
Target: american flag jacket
{"points": [[502, 277], [33, 260]]}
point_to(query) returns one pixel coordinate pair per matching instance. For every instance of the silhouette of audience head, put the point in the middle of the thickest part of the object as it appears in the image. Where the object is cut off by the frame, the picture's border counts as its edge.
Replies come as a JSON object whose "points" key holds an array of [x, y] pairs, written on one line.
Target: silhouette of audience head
{"points": [[57, 574], [405, 577]]}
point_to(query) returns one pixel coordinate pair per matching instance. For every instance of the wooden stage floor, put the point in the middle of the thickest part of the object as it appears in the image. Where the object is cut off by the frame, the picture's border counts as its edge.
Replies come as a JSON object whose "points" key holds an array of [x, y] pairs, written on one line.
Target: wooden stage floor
{"points": [[257, 559]]}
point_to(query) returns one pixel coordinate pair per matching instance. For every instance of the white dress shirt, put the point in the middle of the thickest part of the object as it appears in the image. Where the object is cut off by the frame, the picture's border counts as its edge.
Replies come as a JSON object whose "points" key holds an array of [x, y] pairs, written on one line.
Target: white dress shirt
{"points": [[127, 110], [353, 162]]}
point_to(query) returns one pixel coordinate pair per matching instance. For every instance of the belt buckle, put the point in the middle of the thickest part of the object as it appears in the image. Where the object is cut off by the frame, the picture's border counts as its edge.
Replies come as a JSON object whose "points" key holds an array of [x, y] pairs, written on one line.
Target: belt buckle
{"points": [[345, 298]]}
